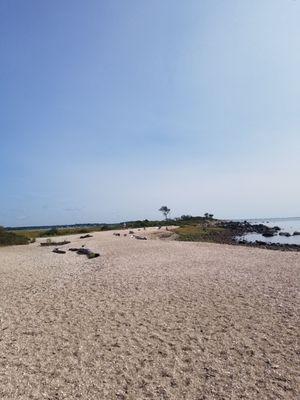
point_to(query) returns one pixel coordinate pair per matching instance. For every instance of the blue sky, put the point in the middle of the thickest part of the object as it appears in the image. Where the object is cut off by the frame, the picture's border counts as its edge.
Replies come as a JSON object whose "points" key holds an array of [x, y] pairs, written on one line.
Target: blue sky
{"points": [[110, 109]]}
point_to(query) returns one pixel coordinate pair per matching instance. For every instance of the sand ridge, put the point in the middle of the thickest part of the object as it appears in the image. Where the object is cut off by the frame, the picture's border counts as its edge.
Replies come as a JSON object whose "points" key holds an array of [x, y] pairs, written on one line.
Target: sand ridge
{"points": [[151, 319]]}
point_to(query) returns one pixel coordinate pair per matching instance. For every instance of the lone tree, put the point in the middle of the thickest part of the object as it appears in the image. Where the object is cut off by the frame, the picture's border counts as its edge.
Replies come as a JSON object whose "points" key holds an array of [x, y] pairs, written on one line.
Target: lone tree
{"points": [[208, 216], [165, 210]]}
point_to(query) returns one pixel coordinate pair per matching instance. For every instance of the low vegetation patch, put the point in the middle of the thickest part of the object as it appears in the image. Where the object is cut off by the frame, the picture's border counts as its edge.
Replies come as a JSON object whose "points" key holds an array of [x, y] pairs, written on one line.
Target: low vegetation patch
{"points": [[43, 233], [64, 231], [9, 238], [200, 233]]}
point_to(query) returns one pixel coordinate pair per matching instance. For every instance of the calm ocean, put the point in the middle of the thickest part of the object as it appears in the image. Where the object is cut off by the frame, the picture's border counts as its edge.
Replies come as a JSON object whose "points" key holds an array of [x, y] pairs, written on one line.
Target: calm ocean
{"points": [[286, 224]]}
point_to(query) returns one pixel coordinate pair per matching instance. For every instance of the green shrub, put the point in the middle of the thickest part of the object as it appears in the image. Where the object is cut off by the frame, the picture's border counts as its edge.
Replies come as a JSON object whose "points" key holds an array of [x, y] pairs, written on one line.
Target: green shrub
{"points": [[50, 232], [198, 233], [9, 238]]}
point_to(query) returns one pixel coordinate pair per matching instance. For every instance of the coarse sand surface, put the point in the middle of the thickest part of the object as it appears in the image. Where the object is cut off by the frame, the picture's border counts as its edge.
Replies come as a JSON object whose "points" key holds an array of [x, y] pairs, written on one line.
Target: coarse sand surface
{"points": [[153, 319]]}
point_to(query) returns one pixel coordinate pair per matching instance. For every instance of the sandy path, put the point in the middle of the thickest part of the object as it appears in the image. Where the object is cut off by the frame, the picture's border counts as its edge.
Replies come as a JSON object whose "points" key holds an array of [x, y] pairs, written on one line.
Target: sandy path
{"points": [[149, 320]]}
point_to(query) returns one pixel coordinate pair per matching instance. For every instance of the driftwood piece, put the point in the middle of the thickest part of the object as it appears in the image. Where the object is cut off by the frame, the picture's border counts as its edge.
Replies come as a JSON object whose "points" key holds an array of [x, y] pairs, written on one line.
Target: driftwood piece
{"points": [[86, 236]]}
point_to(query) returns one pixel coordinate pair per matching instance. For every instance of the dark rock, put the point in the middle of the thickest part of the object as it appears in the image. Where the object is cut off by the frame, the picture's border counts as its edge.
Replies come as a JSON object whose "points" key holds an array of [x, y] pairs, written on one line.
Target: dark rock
{"points": [[84, 251], [58, 251], [140, 237], [260, 242], [50, 243], [235, 232], [86, 236], [268, 234], [88, 253]]}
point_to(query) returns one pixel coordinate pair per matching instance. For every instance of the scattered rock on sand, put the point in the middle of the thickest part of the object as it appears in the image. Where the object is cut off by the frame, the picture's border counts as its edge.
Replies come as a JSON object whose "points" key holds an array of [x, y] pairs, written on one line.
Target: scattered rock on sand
{"points": [[50, 243], [140, 237], [89, 253], [58, 251], [200, 320]]}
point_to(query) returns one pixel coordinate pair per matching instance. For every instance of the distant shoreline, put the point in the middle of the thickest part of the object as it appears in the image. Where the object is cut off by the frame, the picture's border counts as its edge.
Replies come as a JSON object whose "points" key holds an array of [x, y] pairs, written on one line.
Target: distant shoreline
{"points": [[99, 224]]}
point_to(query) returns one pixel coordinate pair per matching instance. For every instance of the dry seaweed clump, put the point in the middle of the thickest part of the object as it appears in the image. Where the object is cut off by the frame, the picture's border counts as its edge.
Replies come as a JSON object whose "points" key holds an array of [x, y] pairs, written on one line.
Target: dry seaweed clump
{"points": [[49, 242]]}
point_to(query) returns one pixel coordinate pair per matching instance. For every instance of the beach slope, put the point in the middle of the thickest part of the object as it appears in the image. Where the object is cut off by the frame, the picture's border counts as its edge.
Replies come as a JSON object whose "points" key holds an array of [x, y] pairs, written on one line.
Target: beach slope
{"points": [[153, 319]]}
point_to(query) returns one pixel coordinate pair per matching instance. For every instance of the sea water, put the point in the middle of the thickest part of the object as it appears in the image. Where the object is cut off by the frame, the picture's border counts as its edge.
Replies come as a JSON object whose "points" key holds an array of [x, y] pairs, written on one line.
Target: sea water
{"points": [[289, 225]]}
